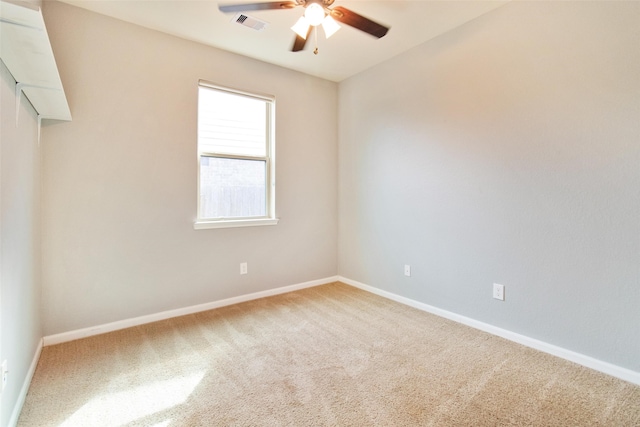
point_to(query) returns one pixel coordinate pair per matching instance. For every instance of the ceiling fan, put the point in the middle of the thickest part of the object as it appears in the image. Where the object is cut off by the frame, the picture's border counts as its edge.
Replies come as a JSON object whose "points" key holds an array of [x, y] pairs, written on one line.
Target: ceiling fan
{"points": [[316, 12]]}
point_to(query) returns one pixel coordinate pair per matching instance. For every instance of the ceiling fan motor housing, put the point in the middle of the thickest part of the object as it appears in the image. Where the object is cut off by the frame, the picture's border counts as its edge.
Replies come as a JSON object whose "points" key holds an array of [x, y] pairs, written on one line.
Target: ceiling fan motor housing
{"points": [[323, 3]]}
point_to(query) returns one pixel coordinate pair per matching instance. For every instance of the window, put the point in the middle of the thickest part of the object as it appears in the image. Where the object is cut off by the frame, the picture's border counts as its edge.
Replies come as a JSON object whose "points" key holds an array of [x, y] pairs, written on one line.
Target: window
{"points": [[235, 158]]}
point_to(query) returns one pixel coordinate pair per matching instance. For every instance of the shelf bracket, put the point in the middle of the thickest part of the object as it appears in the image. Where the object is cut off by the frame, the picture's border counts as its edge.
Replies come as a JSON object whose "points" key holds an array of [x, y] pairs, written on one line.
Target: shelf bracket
{"points": [[18, 99], [20, 92], [39, 127]]}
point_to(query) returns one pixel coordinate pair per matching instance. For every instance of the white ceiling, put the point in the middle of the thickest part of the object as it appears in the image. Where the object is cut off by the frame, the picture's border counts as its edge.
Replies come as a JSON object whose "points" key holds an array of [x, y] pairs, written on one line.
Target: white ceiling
{"points": [[346, 53]]}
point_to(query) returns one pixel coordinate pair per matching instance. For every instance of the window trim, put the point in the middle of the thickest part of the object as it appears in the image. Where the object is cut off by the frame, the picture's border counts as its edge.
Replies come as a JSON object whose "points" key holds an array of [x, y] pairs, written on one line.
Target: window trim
{"points": [[270, 217], [232, 223]]}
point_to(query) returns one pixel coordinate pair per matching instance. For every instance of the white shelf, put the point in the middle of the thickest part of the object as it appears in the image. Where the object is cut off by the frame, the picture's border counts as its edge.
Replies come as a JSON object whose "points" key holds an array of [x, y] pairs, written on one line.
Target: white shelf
{"points": [[26, 52]]}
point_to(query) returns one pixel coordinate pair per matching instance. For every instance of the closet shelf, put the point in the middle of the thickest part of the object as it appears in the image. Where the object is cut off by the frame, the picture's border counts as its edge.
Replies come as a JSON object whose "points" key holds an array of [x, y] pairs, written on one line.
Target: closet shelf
{"points": [[26, 51]]}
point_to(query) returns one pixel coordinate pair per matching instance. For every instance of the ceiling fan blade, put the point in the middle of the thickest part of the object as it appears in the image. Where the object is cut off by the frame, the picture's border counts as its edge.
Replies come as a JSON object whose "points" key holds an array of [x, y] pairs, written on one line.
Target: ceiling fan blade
{"points": [[354, 20], [243, 7], [299, 42]]}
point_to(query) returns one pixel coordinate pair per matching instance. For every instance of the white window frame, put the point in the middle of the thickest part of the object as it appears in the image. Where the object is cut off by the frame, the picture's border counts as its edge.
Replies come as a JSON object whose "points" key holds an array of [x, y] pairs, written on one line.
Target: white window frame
{"points": [[270, 217]]}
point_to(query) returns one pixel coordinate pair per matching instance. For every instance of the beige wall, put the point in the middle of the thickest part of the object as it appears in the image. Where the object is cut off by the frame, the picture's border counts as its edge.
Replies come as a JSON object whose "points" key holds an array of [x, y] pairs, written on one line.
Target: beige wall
{"points": [[505, 151], [119, 181]]}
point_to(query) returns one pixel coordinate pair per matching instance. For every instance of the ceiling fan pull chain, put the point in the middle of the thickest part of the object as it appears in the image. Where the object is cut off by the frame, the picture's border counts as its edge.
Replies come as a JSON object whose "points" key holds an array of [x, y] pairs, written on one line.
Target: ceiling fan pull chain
{"points": [[315, 33]]}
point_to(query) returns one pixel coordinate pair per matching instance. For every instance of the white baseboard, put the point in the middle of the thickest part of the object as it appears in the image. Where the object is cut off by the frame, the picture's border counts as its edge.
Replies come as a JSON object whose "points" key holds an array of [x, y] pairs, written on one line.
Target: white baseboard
{"points": [[572, 356], [127, 323], [17, 409]]}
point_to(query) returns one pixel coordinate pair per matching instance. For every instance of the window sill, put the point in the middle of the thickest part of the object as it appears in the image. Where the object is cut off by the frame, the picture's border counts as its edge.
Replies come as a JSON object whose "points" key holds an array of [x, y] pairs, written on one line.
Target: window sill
{"points": [[202, 225]]}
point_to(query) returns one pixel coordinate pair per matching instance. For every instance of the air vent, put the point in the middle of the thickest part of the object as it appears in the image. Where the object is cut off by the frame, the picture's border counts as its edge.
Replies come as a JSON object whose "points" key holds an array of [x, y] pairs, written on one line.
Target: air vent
{"points": [[250, 22]]}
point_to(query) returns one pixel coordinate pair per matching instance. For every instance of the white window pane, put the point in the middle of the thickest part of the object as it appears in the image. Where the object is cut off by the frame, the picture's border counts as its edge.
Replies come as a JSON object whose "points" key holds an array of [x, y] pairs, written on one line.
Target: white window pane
{"points": [[231, 124], [232, 188]]}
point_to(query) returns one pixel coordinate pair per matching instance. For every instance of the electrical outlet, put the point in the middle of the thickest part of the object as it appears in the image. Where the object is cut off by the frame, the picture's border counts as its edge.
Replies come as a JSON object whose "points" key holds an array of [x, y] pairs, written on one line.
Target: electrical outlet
{"points": [[243, 268], [5, 374], [407, 270], [498, 291]]}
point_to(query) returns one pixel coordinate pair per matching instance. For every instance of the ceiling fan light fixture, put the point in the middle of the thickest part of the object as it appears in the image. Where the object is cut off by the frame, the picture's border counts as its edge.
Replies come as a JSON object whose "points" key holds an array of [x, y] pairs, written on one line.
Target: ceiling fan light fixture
{"points": [[301, 27], [314, 14], [330, 26]]}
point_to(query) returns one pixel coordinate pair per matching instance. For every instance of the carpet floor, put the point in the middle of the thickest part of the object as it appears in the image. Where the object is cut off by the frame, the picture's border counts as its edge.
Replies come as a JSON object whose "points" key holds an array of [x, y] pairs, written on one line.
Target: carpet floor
{"points": [[331, 355]]}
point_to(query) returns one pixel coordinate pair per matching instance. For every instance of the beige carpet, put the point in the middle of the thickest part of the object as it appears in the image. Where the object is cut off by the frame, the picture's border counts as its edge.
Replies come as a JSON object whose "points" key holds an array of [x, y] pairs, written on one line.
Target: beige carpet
{"points": [[326, 356]]}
